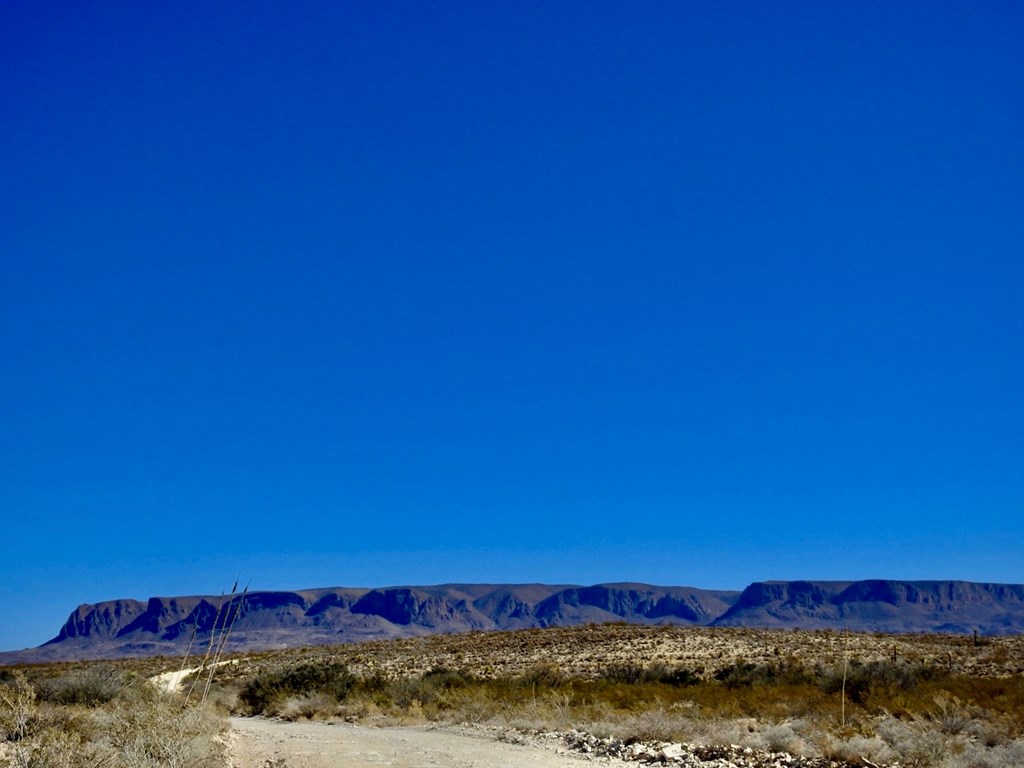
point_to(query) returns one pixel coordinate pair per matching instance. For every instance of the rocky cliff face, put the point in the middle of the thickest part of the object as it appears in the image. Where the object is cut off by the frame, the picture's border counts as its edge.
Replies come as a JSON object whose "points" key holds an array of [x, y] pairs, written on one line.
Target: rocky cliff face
{"points": [[881, 606], [407, 606], [281, 619], [630, 602], [102, 620]]}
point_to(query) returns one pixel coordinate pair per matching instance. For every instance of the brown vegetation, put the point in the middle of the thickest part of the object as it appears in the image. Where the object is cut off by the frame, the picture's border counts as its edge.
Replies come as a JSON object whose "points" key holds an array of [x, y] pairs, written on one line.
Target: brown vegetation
{"points": [[100, 717]]}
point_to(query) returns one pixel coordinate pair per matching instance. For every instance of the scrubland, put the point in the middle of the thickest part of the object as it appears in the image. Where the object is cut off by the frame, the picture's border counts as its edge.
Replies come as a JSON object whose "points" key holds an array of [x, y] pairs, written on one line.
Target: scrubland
{"points": [[856, 699], [103, 715]]}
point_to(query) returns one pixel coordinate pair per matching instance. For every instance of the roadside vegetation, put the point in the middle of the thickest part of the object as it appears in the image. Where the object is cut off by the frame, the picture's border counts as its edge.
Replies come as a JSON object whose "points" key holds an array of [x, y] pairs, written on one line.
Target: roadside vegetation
{"points": [[858, 699], [101, 716]]}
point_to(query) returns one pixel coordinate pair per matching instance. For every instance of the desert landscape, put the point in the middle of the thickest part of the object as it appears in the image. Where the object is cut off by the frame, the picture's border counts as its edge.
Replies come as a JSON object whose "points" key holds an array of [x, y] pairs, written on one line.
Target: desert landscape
{"points": [[511, 384], [694, 696]]}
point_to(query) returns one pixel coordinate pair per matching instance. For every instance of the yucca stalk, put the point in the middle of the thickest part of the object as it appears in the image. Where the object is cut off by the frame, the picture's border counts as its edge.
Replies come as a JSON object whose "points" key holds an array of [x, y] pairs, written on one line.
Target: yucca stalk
{"points": [[229, 622], [209, 647], [188, 650]]}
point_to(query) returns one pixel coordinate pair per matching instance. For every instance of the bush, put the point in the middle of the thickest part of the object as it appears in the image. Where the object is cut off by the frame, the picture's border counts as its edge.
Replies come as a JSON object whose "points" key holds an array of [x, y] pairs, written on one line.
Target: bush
{"points": [[405, 693], [546, 675], [635, 674], [89, 687], [17, 704], [139, 727], [331, 680], [150, 729], [861, 679], [745, 675], [449, 679]]}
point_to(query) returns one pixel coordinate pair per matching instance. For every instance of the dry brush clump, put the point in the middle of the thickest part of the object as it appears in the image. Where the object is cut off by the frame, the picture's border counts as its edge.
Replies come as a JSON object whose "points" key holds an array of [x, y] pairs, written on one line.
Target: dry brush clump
{"points": [[100, 718]]}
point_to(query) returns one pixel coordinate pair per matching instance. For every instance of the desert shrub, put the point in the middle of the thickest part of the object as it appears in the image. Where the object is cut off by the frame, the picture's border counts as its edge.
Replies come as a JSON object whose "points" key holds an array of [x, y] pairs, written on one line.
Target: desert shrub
{"points": [[745, 674], [679, 677], [975, 756], [150, 729], [875, 676], [430, 688], [138, 727], [90, 687], [56, 749], [403, 693], [263, 691], [652, 725], [916, 744], [626, 673], [17, 705], [856, 750], [783, 737], [306, 706], [545, 675], [448, 679], [634, 674], [374, 683]]}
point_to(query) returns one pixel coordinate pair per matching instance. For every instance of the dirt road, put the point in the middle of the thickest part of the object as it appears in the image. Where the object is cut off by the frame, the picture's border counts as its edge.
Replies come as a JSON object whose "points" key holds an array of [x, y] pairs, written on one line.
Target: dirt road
{"points": [[257, 743]]}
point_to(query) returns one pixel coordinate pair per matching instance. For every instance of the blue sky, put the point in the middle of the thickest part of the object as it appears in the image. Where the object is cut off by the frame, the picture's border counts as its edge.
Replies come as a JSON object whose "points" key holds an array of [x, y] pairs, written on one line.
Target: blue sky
{"points": [[381, 293]]}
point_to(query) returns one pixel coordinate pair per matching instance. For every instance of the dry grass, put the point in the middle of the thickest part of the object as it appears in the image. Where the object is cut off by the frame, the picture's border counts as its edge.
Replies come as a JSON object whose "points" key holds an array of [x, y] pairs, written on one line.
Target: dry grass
{"points": [[100, 718]]}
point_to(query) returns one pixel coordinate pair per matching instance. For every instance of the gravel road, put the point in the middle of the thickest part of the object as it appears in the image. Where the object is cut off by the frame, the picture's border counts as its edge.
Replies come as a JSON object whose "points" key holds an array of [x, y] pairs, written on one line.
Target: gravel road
{"points": [[258, 743]]}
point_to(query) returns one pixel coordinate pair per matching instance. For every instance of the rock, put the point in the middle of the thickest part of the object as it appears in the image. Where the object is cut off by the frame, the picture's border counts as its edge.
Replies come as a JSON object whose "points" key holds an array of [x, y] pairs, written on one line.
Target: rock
{"points": [[671, 752]]}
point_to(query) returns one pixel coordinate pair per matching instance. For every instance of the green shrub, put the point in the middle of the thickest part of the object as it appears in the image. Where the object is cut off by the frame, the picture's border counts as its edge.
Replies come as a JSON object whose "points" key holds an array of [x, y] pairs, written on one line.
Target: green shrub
{"points": [[745, 675], [447, 678], [544, 675], [635, 674], [331, 680], [861, 679]]}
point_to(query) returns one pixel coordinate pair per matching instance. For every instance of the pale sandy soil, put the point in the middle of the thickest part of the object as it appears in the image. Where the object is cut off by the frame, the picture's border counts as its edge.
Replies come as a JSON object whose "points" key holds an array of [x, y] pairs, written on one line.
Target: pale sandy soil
{"points": [[259, 743], [174, 681]]}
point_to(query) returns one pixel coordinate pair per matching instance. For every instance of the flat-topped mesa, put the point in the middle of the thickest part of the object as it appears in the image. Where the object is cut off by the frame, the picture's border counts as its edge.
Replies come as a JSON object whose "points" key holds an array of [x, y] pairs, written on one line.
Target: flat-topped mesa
{"points": [[943, 595], [102, 620], [881, 605], [277, 619]]}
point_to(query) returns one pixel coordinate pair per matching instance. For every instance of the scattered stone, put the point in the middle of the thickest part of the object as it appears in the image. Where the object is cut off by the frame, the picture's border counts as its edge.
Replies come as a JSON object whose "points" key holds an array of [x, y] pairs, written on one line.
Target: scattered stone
{"points": [[685, 755]]}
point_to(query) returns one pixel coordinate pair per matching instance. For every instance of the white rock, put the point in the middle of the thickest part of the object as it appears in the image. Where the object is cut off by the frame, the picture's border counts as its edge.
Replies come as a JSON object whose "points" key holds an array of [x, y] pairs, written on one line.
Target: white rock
{"points": [[671, 751]]}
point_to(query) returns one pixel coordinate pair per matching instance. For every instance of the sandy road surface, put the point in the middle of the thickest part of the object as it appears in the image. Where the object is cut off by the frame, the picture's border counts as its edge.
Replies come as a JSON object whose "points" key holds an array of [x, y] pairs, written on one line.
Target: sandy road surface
{"points": [[253, 742]]}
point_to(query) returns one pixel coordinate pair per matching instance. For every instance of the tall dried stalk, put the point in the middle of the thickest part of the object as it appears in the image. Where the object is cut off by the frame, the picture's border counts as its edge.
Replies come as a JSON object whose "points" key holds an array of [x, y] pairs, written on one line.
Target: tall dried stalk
{"points": [[209, 647], [229, 622], [188, 650], [846, 663]]}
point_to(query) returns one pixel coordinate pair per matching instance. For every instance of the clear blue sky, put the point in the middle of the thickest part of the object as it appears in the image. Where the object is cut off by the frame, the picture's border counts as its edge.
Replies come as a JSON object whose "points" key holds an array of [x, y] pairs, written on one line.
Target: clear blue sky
{"points": [[380, 293]]}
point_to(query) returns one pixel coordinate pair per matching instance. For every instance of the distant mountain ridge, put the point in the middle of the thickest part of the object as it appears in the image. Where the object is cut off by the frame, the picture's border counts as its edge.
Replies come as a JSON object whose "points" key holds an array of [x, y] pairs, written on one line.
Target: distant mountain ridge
{"points": [[166, 625], [878, 605]]}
